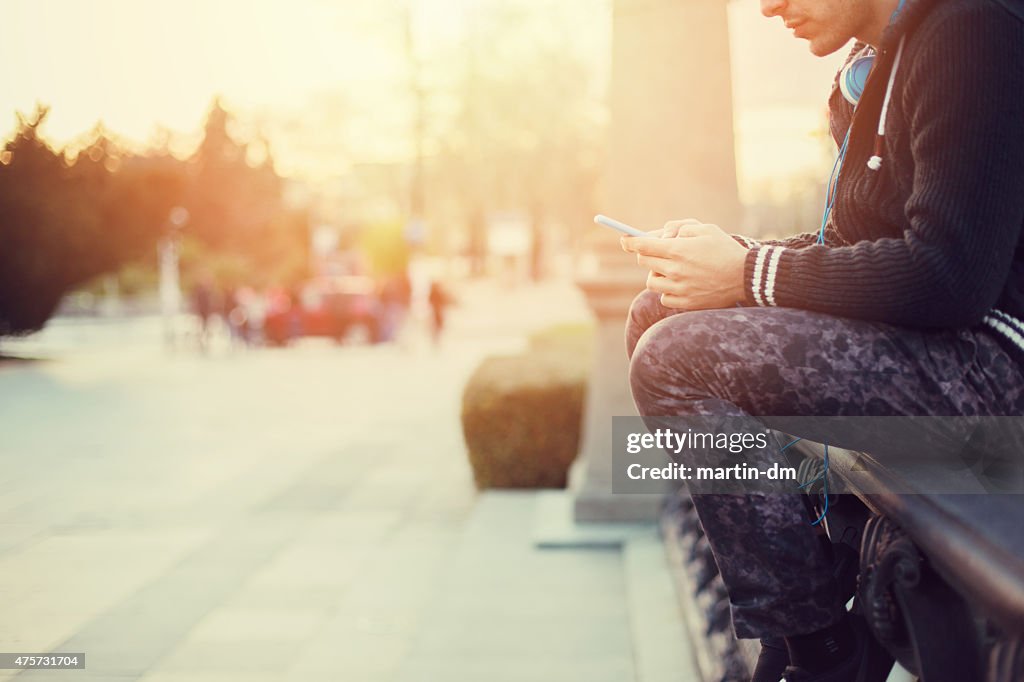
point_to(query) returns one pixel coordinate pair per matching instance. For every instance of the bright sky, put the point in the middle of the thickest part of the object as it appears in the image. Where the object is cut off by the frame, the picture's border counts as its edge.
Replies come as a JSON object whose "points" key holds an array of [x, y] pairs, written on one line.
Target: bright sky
{"points": [[141, 64], [138, 63]]}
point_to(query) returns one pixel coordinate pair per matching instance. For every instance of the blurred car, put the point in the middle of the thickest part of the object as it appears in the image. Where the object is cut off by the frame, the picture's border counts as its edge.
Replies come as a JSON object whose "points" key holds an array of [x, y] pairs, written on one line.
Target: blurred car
{"points": [[332, 307]]}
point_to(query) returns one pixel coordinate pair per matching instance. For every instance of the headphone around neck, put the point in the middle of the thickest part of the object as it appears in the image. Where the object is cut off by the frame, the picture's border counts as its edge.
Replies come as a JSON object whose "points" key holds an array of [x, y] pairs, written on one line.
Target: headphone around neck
{"points": [[854, 76]]}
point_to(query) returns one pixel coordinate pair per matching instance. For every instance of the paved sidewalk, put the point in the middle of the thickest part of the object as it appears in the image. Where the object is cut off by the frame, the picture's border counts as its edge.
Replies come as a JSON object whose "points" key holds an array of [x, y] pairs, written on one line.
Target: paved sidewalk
{"points": [[213, 516], [291, 514]]}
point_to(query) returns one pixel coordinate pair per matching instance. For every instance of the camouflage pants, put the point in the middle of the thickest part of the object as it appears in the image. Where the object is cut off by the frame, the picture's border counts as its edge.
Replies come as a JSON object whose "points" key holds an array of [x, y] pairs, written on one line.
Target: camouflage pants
{"points": [[788, 362]]}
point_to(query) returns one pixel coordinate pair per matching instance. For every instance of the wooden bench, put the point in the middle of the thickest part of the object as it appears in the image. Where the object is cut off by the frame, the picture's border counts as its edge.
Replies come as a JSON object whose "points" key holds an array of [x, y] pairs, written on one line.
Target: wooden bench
{"points": [[939, 577]]}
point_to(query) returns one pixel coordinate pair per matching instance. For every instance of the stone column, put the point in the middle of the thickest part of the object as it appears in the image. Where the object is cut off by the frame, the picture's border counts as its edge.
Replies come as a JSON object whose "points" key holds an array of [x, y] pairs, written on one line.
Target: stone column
{"points": [[670, 156]]}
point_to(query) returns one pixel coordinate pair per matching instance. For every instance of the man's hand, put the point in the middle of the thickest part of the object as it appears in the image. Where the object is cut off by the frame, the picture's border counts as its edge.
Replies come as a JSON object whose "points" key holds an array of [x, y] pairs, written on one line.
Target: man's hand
{"points": [[693, 265]]}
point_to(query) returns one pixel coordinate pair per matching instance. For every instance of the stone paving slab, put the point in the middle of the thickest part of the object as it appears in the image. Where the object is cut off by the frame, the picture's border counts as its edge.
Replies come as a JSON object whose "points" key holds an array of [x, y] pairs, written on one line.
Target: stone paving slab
{"points": [[556, 528], [510, 611], [663, 647]]}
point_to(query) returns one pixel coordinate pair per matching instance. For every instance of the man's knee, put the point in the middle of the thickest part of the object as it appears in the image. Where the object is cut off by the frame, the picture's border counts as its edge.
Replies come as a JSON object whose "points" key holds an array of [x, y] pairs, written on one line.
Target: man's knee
{"points": [[682, 356], [661, 360], [644, 312]]}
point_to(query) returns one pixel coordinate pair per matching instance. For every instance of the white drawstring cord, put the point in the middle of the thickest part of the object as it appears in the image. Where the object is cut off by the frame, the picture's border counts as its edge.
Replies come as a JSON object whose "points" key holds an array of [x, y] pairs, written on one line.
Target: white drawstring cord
{"points": [[875, 162]]}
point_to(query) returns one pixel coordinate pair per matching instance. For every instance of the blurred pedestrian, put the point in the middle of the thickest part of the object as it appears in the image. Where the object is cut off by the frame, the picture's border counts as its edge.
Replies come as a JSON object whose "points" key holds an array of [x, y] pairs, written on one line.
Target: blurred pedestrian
{"points": [[204, 304], [439, 299]]}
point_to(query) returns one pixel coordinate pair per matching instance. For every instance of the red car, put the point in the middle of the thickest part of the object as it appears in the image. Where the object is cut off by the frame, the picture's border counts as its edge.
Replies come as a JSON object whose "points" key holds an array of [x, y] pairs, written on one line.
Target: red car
{"points": [[327, 306]]}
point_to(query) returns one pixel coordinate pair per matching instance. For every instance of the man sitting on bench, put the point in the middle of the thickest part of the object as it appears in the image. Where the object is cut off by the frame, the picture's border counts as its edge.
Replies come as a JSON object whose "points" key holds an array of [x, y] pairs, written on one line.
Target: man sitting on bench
{"points": [[910, 301]]}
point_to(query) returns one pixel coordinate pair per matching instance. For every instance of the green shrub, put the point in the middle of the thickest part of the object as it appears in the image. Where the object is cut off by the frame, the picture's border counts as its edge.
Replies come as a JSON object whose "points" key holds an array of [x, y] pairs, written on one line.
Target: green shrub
{"points": [[522, 414]]}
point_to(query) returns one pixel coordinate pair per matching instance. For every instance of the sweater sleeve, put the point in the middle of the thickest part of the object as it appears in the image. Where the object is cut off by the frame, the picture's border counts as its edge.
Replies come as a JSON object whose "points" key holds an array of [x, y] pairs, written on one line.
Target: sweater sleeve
{"points": [[962, 98], [796, 241]]}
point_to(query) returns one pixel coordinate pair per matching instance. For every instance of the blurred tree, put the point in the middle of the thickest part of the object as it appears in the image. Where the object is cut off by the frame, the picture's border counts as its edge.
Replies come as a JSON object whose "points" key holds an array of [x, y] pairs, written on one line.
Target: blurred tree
{"points": [[66, 220], [236, 209], [528, 133]]}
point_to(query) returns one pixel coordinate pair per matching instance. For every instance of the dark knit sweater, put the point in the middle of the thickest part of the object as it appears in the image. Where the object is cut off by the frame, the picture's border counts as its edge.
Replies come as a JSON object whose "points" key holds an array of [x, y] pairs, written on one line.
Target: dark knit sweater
{"points": [[933, 238]]}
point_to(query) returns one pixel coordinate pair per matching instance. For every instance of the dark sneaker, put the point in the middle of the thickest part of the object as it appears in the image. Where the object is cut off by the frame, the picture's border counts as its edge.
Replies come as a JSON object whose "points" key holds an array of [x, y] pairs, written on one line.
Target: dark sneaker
{"points": [[870, 663], [772, 661]]}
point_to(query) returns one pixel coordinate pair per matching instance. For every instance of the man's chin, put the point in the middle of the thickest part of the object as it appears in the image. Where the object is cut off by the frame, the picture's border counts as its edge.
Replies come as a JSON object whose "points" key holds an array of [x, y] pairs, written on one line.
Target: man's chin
{"points": [[821, 47]]}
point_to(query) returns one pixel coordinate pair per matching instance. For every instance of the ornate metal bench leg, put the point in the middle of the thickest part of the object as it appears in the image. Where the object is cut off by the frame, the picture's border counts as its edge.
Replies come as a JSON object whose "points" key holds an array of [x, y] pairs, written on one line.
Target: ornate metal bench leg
{"points": [[916, 615]]}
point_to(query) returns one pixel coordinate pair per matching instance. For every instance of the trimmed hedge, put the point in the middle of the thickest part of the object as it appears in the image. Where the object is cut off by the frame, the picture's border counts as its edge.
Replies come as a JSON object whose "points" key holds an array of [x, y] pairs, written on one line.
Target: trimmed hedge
{"points": [[522, 414]]}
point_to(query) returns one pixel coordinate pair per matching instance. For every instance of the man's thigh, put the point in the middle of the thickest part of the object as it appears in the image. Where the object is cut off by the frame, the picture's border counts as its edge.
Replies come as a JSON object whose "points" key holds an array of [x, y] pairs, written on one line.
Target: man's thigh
{"points": [[788, 362]]}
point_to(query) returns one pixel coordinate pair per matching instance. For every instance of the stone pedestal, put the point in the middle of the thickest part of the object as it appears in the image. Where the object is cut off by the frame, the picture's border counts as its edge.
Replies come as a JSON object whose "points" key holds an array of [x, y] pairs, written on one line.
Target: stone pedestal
{"points": [[607, 396], [671, 156]]}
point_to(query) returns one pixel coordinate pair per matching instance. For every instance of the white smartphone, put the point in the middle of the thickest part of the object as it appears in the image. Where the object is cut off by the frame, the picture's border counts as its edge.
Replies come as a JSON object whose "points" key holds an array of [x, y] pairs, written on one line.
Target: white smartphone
{"points": [[621, 227]]}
